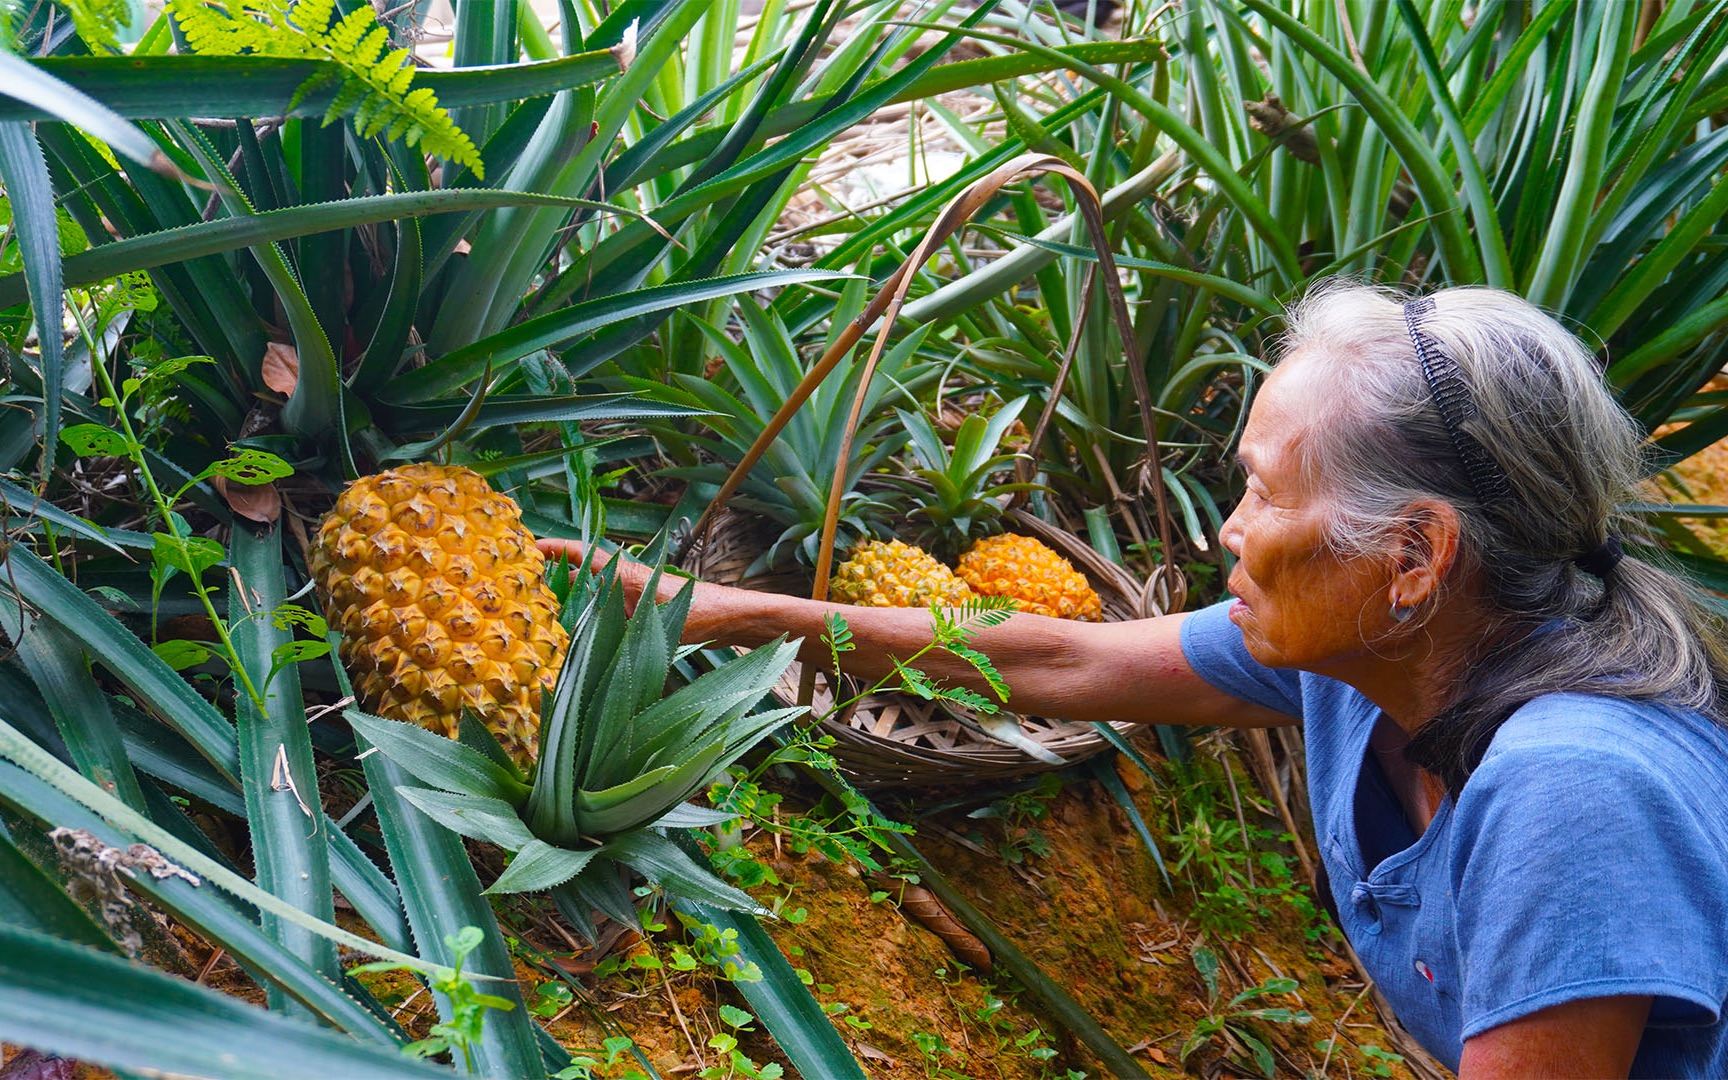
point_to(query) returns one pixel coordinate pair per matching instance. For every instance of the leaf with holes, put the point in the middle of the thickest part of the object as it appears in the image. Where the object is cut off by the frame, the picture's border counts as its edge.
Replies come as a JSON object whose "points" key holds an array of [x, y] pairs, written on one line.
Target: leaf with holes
{"points": [[94, 440], [249, 467]]}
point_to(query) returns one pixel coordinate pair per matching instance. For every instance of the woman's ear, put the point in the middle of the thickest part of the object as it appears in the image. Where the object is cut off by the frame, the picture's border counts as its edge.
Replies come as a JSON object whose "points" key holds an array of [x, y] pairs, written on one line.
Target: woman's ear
{"points": [[1426, 549]]}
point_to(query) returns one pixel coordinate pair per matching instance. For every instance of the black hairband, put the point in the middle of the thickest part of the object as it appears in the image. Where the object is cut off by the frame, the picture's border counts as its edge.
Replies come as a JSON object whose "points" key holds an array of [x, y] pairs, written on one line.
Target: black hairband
{"points": [[1452, 400], [1601, 560]]}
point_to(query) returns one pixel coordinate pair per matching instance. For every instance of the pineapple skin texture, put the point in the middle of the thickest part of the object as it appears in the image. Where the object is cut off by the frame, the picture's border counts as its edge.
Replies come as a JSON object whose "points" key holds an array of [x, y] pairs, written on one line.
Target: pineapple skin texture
{"points": [[1032, 573], [896, 574], [439, 593]]}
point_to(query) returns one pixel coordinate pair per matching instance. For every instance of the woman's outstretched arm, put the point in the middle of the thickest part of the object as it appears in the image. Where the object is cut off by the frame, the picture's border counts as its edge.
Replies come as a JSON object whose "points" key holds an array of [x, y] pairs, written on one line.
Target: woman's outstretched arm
{"points": [[1124, 671]]}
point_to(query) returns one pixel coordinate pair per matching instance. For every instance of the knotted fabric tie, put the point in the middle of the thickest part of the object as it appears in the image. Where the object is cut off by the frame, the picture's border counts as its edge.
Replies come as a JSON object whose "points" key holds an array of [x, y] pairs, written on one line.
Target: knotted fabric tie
{"points": [[1601, 560]]}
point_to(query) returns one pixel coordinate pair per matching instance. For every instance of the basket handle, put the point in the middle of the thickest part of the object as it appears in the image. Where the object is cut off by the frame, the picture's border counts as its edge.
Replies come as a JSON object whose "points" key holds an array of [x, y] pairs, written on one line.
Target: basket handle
{"points": [[886, 306]]}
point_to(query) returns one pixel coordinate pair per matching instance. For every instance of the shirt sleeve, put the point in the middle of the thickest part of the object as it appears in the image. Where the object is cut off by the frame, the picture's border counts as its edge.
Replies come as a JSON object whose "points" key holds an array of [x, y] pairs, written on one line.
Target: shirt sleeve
{"points": [[1213, 647], [1583, 867]]}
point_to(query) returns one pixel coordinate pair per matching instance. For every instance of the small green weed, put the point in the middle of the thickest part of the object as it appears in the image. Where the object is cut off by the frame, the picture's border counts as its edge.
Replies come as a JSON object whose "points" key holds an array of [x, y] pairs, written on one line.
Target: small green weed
{"points": [[1232, 1021], [468, 1006], [1020, 812], [736, 1063], [1236, 874], [611, 1051]]}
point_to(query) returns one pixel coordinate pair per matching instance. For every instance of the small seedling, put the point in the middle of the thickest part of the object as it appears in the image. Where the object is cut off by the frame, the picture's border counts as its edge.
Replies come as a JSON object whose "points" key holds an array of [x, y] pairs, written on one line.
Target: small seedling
{"points": [[1231, 1021], [736, 1062], [468, 1006]]}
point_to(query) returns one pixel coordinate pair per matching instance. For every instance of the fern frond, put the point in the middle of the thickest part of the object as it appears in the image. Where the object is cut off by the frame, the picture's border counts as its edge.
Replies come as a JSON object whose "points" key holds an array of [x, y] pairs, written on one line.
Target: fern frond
{"points": [[398, 83], [98, 22], [312, 17], [346, 98], [377, 86], [370, 49]]}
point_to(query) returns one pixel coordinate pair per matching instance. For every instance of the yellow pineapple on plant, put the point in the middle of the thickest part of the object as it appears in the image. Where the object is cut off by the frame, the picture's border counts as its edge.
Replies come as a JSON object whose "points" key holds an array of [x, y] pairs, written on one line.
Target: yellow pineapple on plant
{"points": [[440, 595]]}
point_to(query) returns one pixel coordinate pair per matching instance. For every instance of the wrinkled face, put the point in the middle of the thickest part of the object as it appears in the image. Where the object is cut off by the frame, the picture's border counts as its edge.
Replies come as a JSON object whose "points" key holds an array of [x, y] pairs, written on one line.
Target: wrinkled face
{"points": [[1298, 604]]}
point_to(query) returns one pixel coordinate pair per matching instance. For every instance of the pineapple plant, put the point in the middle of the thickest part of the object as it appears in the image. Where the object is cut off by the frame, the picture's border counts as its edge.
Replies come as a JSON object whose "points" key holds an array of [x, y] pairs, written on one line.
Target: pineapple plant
{"points": [[439, 593], [624, 755], [790, 484]]}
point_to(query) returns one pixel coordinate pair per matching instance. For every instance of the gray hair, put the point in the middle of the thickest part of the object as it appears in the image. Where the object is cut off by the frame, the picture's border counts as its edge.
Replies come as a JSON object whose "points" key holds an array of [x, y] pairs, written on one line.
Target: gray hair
{"points": [[1571, 457]]}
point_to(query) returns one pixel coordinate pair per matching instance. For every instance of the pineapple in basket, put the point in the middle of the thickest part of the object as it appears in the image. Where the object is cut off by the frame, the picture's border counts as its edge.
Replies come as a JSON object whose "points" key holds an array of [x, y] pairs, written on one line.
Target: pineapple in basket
{"points": [[956, 502], [439, 593]]}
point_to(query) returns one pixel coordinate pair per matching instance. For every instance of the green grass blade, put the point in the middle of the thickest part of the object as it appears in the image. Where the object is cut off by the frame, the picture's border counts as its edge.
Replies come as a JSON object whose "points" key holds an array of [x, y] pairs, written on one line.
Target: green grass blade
{"points": [[780, 1000], [214, 916], [1433, 182], [280, 781], [442, 894], [1511, 68], [79, 1003], [152, 683], [460, 366], [205, 293], [1216, 166], [1004, 273], [80, 709], [1569, 215], [474, 816], [436, 760], [1673, 341], [37, 763], [315, 406], [24, 175], [387, 350], [1497, 264], [230, 234], [30, 85], [1683, 241]]}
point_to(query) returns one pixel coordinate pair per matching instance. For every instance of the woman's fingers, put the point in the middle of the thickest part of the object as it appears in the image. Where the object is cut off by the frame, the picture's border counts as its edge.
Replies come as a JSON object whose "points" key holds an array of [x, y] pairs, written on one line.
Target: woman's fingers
{"points": [[572, 550]]}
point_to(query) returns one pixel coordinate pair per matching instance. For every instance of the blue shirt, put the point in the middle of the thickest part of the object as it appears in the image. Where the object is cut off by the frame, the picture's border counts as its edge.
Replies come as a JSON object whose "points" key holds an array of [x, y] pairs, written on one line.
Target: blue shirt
{"points": [[1587, 856]]}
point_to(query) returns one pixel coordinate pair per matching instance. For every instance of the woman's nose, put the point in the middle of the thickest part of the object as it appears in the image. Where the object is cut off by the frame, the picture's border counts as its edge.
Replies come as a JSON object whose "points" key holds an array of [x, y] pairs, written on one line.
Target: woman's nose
{"points": [[1231, 534]]}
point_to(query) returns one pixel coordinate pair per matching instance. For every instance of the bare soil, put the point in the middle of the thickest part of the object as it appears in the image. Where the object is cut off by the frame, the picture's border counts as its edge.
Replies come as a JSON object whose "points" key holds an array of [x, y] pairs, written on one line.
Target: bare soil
{"points": [[1093, 912]]}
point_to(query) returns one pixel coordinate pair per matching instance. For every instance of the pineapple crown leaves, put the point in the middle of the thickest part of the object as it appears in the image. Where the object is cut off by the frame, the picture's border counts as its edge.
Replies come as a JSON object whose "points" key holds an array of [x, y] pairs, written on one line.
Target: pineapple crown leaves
{"points": [[963, 499], [377, 86]]}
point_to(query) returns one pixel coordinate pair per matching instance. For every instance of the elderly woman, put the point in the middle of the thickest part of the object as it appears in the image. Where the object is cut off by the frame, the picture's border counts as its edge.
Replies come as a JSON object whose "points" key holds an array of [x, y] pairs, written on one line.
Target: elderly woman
{"points": [[1518, 769]]}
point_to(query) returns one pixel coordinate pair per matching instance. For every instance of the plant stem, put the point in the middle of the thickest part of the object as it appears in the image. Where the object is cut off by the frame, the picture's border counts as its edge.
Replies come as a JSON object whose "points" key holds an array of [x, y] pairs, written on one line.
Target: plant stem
{"points": [[135, 451]]}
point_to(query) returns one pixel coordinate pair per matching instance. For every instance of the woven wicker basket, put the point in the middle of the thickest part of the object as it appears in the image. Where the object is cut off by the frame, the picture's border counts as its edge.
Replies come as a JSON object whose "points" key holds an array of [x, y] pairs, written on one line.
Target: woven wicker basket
{"points": [[891, 739], [899, 740]]}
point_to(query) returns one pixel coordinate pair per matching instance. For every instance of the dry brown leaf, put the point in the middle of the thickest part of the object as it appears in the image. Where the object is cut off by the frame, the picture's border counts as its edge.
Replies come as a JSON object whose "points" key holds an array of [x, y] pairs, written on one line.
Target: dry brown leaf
{"points": [[921, 904], [255, 502], [281, 368]]}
